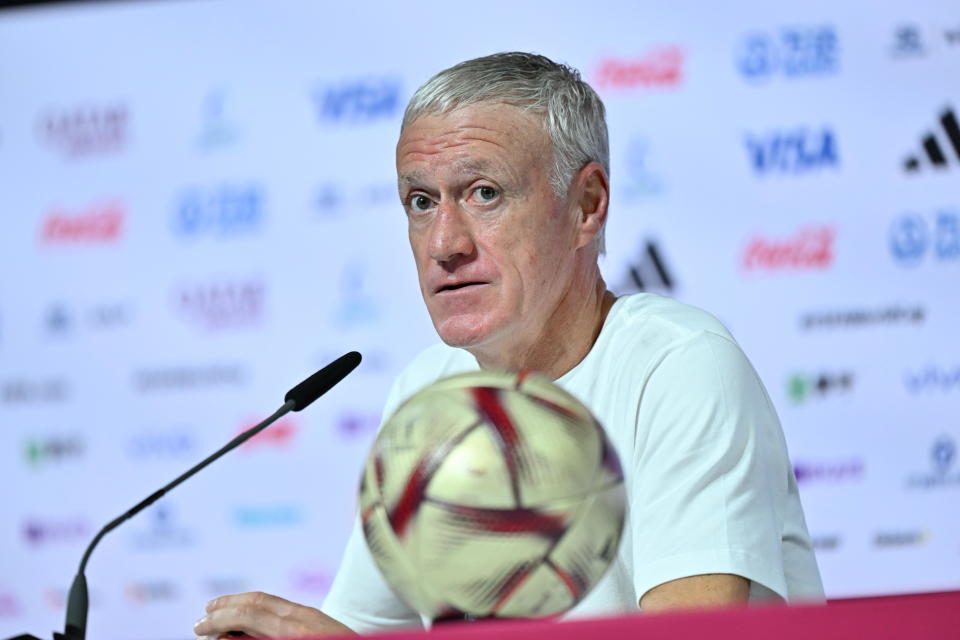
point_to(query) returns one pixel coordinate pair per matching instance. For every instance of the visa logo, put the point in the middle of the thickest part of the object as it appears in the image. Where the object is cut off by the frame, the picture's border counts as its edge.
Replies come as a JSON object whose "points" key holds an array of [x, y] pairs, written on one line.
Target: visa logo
{"points": [[792, 152], [359, 100]]}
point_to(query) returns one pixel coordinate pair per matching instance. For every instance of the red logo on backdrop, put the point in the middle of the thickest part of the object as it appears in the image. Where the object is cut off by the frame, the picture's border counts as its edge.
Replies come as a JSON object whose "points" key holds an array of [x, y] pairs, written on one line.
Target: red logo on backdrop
{"points": [[809, 248], [223, 305], [101, 223], [279, 434], [85, 130], [658, 67], [9, 606]]}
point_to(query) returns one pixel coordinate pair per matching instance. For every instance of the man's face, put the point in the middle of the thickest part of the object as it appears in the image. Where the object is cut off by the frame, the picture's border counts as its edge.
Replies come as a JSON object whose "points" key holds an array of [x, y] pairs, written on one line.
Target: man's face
{"points": [[493, 244]]}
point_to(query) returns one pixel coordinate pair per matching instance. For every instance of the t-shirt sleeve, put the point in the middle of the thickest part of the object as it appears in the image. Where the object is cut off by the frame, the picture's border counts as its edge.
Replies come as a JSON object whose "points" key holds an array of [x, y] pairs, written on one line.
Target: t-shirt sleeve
{"points": [[359, 596], [710, 472]]}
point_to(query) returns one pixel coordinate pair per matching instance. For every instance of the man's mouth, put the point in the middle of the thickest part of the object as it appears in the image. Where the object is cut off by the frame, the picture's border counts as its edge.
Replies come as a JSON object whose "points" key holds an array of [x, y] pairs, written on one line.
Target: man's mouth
{"points": [[456, 286]]}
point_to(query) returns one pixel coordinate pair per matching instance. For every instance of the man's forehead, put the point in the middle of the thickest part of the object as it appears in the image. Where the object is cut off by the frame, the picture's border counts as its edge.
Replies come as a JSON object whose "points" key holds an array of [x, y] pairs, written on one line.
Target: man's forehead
{"points": [[462, 166]]}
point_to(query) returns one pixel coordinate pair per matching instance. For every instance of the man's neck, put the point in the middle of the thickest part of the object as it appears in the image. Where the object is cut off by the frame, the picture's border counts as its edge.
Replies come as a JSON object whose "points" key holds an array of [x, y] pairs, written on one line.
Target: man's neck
{"points": [[565, 340]]}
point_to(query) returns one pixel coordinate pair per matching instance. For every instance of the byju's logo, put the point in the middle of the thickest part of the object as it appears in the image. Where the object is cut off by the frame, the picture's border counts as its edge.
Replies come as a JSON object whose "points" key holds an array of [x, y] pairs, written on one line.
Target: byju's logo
{"points": [[793, 52], [85, 130], [915, 239], [358, 100], [222, 305], [648, 272], [841, 471], [932, 379], [356, 424], [37, 531], [802, 387], [793, 152], [809, 248], [940, 146], [102, 223], [658, 67], [42, 452], [221, 211], [943, 454]]}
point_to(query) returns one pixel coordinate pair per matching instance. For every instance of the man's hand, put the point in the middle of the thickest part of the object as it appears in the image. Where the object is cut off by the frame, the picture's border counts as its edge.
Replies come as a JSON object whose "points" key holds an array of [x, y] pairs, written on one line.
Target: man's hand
{"points": [[264, 616], [697, 592]]}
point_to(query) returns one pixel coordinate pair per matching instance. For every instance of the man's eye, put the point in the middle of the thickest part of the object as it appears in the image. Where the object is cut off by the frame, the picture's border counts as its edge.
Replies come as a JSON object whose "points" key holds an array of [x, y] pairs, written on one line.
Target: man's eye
{"points": [[420, 203], [486, 193]]}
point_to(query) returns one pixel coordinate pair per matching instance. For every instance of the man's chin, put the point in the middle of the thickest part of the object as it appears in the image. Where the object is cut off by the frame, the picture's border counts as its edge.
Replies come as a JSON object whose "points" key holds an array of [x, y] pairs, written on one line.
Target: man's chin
{"points": [[456, 333]]}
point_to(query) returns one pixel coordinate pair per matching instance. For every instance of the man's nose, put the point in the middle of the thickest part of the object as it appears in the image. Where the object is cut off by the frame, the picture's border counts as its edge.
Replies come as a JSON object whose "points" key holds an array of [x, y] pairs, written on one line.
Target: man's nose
{"points": [[450, 235]]}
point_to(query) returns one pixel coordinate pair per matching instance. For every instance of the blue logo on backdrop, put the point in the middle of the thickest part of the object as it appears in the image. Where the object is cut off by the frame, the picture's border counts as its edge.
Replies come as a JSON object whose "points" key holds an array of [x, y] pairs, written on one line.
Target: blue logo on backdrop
{"points": [[913, 238], [221, 211], [638, 181], [358, 100], [216, 129], [276, 515], [796, 151], [943, 453], [793, 52]]}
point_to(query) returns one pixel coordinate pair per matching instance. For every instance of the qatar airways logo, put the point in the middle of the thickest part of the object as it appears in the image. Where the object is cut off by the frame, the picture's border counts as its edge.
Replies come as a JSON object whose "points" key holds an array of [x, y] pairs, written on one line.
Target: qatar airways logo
{"points": [[85, 130], [97, 224], [223, 304], [658, 67], [809, 248]]}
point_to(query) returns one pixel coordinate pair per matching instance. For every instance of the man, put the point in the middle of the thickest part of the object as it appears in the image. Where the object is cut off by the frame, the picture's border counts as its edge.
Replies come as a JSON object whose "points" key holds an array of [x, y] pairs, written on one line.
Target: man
{"points": [[502, 168]]}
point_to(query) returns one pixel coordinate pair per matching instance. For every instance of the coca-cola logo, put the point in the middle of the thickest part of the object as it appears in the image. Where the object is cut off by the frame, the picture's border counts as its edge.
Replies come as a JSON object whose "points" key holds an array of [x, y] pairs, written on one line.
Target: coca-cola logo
{"points": [[277, 435], [659, 67], [809, 248], [101, 223]]}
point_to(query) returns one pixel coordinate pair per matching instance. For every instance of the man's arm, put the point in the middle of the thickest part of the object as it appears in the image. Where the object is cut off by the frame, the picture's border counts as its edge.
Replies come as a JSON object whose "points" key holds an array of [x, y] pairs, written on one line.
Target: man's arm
{"points": [[696, 592], [264, 616]]}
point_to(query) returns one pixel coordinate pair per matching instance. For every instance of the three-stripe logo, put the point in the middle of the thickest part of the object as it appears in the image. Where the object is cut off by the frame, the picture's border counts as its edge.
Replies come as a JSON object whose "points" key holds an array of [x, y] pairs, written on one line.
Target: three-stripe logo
{"points": [[933, 147]]}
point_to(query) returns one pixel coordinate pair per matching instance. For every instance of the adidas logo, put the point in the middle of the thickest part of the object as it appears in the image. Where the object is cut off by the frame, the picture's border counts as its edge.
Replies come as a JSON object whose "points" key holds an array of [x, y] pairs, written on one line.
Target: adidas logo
{"points": [[933, 149], [649, 272]]}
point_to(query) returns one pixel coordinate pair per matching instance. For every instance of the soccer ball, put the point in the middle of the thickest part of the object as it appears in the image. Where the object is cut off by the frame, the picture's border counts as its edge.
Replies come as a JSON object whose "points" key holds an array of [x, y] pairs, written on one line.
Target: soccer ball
{"points": [[492, 495]]}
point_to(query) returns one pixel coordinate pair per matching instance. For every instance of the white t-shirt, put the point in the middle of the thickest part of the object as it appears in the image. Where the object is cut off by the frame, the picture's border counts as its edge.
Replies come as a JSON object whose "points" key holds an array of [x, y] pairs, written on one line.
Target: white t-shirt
{"points": [[710, 488]]}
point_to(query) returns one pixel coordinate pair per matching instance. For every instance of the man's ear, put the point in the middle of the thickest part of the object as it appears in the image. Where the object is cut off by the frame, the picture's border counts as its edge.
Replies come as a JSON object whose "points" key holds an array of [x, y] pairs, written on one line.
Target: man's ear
{"points": [[592, 192]]}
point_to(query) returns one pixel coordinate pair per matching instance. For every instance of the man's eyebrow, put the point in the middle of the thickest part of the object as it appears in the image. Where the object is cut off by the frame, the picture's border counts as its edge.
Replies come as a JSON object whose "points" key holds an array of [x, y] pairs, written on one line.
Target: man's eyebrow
{"points": [[464, 166]]}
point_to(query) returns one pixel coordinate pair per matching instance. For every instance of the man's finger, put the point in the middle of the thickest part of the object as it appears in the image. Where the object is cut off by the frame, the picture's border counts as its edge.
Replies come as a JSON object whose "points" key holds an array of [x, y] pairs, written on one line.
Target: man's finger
{"points": [[256, 599]]}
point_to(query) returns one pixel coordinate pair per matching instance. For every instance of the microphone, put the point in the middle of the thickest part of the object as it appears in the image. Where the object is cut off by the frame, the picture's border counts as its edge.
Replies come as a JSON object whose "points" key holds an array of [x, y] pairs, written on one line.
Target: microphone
{"points": [[297, 399]]}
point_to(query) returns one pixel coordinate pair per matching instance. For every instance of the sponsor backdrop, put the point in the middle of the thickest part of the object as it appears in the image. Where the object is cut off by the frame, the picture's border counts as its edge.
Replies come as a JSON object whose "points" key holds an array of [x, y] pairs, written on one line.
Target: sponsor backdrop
{"points": [[199, 209]]}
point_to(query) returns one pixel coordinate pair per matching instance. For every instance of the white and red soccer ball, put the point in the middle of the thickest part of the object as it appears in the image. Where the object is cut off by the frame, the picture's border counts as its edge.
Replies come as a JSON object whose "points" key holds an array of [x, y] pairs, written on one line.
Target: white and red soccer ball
{"points": [[491, 495]]}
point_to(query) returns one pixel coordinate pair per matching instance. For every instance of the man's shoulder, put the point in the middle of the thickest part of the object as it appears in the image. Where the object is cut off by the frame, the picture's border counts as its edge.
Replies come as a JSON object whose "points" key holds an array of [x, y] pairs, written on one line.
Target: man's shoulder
{"points": [[655, 319], [436, 361]]}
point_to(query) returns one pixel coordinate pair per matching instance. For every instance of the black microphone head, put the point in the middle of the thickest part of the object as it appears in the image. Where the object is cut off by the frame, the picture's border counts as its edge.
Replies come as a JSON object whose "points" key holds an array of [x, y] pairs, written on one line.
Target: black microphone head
{"points": [[322, 381]]}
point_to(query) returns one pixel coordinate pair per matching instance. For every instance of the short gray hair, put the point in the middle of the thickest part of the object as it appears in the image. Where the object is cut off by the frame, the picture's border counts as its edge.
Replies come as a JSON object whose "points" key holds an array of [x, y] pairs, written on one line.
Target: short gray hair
{"points": [[572, 112]]}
